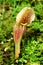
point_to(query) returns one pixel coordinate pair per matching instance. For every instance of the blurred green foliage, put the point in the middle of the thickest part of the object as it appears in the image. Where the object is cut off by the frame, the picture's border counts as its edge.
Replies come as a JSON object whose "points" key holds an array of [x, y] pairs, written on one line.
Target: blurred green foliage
{"points": [[32, 41]]}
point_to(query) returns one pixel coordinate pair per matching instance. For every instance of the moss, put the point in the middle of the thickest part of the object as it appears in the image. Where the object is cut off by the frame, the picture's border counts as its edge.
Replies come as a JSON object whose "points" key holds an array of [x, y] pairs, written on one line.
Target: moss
{"points": [[32, 41]]}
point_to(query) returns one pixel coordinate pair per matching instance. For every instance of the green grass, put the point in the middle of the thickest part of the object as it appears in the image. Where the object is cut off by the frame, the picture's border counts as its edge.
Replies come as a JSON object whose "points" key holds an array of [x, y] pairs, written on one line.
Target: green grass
{"points": [[32, 41]]}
